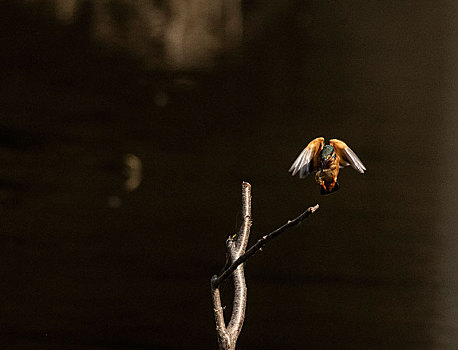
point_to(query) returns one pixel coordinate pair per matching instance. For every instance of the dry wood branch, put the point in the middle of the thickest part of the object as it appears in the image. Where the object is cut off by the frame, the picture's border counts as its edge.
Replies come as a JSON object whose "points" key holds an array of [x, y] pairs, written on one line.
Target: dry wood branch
{"points": [[236, 246]]}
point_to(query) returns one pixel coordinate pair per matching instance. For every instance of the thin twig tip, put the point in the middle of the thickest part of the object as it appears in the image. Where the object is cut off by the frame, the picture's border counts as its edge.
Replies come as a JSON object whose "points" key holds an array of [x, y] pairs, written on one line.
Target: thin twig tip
{"points": [[214, 281], [314, 208]]}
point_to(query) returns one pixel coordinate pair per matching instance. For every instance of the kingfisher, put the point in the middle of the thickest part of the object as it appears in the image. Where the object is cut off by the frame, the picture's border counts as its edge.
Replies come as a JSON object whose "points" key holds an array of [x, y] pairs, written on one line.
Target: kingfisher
{"points": [[326, 159]]}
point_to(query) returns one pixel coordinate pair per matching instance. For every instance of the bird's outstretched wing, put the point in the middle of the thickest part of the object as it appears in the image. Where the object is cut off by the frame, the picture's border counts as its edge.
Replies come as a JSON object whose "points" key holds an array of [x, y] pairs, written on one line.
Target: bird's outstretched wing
{"points": [[305, 163], [347, 156]]}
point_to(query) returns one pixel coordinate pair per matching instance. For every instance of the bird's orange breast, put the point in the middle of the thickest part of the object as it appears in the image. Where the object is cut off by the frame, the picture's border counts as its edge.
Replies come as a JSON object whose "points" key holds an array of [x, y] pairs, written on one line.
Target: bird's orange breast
{"points": [[330, 171]]}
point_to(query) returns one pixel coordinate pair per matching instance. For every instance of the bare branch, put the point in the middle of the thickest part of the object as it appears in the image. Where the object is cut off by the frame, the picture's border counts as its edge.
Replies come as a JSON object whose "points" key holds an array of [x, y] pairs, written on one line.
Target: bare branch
{"points": [[227, 337], [262, 241], [241, 240], [236, 246], [224, 338]]}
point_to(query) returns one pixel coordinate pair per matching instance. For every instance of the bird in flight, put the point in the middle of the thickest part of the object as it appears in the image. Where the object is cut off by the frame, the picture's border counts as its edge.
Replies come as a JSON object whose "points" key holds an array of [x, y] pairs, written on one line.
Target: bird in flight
{"points": [[326, 159]]}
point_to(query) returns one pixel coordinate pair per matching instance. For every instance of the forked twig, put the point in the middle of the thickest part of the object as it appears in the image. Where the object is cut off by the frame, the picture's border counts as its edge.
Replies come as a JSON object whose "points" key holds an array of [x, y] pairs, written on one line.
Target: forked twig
{"points": [[236, 246]]}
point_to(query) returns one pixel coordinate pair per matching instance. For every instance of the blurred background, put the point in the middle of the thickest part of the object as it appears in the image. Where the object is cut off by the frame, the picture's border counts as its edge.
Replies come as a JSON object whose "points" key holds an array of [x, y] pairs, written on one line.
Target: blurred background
{"points": [[126, 129]]}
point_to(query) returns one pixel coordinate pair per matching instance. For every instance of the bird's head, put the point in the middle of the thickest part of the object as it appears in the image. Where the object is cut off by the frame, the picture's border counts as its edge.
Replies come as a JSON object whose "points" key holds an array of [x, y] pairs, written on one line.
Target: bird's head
{"points": [[326, 155]]}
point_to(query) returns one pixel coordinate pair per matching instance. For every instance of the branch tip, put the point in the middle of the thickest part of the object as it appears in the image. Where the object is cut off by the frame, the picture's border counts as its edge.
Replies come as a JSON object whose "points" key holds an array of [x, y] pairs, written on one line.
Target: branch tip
{"points": [[214, 281]]}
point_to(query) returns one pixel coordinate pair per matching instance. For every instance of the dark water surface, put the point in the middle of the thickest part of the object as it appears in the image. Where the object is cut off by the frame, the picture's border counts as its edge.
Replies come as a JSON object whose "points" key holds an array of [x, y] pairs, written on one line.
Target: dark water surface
{"points": [[87, 264]]}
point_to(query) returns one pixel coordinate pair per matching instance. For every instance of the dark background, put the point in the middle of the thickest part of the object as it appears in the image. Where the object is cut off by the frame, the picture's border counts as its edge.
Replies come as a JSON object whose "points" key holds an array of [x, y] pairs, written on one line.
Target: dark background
{"points": [[85, 264]]}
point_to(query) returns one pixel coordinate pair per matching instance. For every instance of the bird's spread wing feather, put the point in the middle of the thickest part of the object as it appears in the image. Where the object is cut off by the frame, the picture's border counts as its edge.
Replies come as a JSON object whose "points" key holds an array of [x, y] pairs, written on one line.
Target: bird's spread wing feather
{"points": [[347, 156], [304, 162]]}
